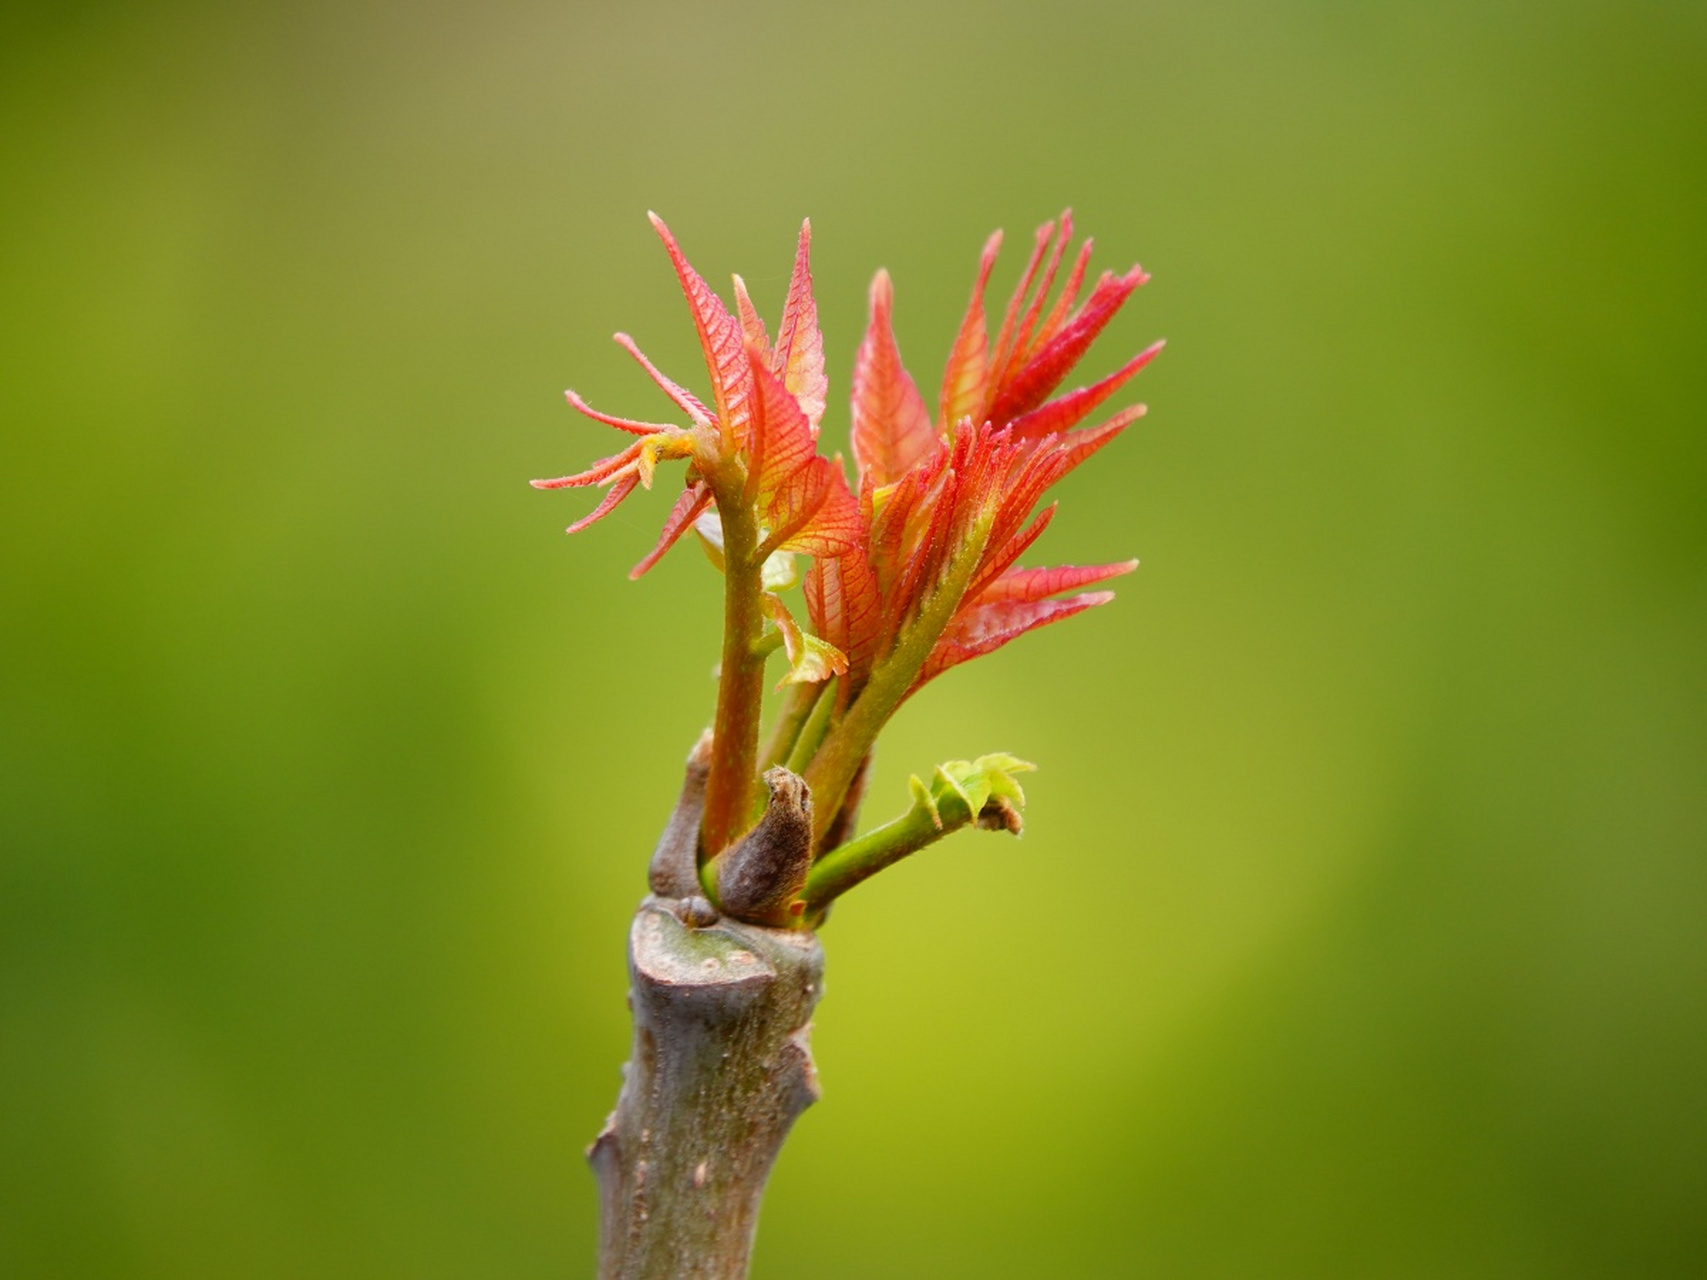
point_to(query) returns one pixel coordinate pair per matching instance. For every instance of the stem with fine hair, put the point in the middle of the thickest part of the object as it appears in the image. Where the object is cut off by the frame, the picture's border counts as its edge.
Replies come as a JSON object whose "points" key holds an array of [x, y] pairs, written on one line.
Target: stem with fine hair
{"points": [[837, 872], [811, 734], [838, 760], [795, 712], [740, 690]]}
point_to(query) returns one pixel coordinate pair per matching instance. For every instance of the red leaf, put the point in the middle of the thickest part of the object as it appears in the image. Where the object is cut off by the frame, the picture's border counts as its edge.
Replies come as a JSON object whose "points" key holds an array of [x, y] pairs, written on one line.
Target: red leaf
{"points": [[965, 377], [686, 401], [985, 628], [1000, 554], [891, 426], [1052, 460], [971, 481], [1078, 445], [1028, 585], [618, 491], [927, 549], [752, 328], [780, 442], [1000, 358], [804, 498], [692, 501], [604, 469], [621, 424], [719, 336], [1069, 297], [891, 525], [1074, 407], [1042, 373], [799, 354], [814, 513], [842, 601], [1022, 338]]}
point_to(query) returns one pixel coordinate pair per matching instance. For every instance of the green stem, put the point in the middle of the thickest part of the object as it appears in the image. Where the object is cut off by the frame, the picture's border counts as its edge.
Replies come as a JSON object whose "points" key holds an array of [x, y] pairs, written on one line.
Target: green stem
{"points": [[800, 700], [837, 761], [841, 869], [811, 734], [740, 690]]}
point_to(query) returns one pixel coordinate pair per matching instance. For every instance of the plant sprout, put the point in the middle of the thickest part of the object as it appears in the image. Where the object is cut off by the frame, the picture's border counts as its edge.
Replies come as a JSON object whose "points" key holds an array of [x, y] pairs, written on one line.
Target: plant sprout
{"points": [[910, 571]]}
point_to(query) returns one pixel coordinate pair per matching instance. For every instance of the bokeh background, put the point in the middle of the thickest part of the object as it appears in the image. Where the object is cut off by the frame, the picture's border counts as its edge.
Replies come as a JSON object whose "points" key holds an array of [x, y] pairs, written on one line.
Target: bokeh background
{"points": [[1359, 930]]}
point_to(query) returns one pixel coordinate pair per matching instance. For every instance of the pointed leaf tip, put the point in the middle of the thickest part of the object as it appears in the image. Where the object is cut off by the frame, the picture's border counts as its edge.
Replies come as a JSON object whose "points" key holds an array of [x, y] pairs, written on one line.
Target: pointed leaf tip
{"points": [[891, 429], [720, 339], [617, 492], [984, 628], [693, 501], [780, 441], [684, 399], [752, 327], [799, 353], [1068, 411], [1027, 586], [965, 376], [629, 425]]}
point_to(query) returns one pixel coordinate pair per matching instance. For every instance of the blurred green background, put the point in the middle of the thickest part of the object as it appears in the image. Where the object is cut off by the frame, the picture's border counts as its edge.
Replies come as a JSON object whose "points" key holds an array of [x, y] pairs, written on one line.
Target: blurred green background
{"points": [[1359, 930]]}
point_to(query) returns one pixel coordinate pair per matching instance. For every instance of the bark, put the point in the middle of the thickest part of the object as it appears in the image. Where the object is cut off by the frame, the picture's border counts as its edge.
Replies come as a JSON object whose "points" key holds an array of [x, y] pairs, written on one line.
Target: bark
{"points": [[720, 1068]]}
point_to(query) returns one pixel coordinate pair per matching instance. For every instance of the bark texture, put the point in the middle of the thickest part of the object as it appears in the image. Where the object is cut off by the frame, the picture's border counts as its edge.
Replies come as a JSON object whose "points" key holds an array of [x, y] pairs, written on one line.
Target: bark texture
{"points": [[720, 1068]]}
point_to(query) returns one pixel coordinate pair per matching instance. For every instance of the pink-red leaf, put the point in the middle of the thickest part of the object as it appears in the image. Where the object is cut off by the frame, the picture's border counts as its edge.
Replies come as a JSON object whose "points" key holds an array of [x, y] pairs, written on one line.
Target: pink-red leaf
{"points": [[685, 400], [752, 327], [1078, 445], [602, 470], [780, 442], [1068, 299], [969, 486], [1031, 384], [891, 426], [896, 526], [720, 337], [985, 628], [843, 603], [618, 491], [799, 356], [1073, 408], [1023, 335], [688, 506], [965, 378], [1051, 460], [1001, 357], [1028, 585], [814, 513], [1001, 553], [629, 425]]}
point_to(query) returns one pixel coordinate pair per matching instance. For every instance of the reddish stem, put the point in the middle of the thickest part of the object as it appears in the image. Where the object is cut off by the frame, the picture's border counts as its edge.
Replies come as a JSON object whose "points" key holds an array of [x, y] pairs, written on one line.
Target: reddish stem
{"points": [[741, 685]]}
